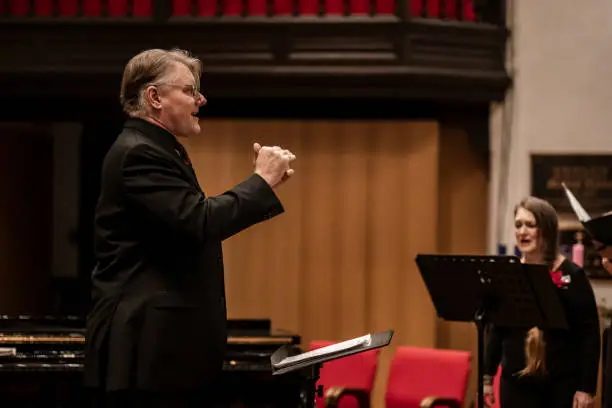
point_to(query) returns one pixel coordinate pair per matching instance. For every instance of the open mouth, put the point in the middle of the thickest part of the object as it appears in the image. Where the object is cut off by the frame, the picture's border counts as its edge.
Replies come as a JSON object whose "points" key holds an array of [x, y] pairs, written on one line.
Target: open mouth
{"points": [[524, 241]]}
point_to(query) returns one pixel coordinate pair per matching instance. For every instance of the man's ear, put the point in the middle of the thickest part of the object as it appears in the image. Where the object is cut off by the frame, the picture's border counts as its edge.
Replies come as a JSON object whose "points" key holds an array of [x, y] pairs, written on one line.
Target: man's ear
{"points": [[152, 96]]}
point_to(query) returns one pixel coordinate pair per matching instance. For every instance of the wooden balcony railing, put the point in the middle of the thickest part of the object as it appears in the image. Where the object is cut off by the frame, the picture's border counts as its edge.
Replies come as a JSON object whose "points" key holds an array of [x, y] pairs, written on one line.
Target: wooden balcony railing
{"points": [[487, 11]]}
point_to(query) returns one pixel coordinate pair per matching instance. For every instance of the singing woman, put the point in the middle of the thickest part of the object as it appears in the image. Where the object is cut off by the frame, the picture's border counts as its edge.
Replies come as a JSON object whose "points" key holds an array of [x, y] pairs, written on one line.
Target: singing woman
{"points": [[547, 368]]}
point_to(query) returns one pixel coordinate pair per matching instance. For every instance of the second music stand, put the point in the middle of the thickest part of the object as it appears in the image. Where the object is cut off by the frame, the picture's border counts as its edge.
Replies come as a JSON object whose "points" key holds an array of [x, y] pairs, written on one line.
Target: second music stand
{"points": [[497, 290]]}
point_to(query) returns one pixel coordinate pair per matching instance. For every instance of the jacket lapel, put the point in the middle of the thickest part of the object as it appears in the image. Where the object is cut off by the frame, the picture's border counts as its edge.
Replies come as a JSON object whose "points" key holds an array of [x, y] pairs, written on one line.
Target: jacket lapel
{"points": [[169, 144], [187, 168]]}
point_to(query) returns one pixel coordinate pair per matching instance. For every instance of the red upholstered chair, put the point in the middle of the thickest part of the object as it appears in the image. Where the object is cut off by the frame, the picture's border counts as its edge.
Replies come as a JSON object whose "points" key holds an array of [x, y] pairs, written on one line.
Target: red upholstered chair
{"points": [[423, 377], [347, 382]]}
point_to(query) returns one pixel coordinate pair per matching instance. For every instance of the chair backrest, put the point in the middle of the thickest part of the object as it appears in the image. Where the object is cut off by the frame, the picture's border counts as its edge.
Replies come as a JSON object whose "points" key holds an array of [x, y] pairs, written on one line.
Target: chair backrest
{"points": [[356, 371], [417, 373]]}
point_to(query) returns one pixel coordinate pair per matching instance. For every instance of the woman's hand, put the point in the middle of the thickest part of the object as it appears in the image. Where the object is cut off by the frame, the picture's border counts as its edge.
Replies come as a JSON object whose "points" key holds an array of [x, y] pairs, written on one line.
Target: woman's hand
{"points": [[582, 400], [488, 395]]}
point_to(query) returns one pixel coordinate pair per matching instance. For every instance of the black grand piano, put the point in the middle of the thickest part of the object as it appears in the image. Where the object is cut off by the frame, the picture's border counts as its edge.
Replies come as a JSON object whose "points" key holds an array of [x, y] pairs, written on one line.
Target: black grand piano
{"points": [[41, 363]]}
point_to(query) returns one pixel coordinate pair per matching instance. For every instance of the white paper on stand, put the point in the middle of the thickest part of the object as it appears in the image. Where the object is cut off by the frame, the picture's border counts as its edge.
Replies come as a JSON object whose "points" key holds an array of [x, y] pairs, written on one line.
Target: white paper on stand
{"points": [[332, 349]]}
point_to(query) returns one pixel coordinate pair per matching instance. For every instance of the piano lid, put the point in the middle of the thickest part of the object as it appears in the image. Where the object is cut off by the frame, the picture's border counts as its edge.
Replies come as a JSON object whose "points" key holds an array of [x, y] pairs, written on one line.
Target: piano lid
{"points": [[258, 332], [42, 323], [28, 329]]}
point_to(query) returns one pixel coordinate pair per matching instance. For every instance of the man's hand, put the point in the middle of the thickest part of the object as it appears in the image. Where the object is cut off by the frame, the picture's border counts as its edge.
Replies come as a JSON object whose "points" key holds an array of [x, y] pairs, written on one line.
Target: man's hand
{"points": [[272, 163], [582, 400]]}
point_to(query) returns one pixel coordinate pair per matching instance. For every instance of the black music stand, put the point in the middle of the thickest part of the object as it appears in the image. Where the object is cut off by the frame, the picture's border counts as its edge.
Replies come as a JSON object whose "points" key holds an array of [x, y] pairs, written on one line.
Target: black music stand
{"points": [[497, 290], [285, 359]]}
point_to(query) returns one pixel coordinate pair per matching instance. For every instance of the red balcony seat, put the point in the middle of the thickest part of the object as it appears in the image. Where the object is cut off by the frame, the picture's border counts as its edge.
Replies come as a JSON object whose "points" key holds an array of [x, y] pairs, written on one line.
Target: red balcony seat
{"points": [[448, 9], [70, 8], [19, 8]]}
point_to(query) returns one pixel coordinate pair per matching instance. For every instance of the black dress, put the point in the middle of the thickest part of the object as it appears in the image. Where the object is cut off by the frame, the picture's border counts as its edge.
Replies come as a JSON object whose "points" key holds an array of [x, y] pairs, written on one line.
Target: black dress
{"points": [[572, 355]]}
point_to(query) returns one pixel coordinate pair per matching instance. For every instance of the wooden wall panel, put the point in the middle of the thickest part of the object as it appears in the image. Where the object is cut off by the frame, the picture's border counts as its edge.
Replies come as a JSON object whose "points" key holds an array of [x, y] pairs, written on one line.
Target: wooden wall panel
{"points": [[463, 193], [352, 198], [340, 261]]}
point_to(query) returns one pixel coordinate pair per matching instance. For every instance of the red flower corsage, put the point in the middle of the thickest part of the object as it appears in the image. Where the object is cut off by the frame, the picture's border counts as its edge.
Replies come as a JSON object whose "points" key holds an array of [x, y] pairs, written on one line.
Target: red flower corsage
{"points": [[558, 279]]}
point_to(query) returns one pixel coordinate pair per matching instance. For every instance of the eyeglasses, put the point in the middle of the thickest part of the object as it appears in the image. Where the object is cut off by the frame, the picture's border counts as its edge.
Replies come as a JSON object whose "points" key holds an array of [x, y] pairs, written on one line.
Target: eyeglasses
{"points": [[188, 89]]}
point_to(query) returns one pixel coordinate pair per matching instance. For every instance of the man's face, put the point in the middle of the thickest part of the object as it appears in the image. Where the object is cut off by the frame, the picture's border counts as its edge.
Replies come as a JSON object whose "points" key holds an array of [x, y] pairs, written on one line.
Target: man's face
{"points": [[179, 102]]}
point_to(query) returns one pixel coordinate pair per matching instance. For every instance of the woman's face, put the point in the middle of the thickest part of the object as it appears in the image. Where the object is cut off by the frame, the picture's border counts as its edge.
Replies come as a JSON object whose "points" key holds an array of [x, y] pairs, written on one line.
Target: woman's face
{"points": [[526, 232]]}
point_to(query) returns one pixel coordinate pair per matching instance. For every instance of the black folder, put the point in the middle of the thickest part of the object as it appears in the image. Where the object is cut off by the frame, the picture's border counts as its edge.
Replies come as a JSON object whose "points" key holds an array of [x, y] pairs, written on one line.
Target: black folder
{"points": [[599, 228], [497, 290], [286, 359]]}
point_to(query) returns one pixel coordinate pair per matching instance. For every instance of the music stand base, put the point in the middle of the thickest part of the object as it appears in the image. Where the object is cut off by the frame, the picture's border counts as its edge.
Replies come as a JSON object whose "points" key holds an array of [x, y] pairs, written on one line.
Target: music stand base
{"points": [[312, 391]]}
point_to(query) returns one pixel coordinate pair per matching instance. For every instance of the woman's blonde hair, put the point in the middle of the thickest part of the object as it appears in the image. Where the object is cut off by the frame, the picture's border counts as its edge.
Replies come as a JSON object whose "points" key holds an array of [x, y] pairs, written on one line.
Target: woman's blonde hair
{"points": [[548, 226], [535, 352]]}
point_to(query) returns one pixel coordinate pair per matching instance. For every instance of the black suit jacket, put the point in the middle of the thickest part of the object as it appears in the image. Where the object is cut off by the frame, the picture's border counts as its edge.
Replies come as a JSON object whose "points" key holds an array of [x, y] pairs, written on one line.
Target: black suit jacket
{"points": [[158, 319]]}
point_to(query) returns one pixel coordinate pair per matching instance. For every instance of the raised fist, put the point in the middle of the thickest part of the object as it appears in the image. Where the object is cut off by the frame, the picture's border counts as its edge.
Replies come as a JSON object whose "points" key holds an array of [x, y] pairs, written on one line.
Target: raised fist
{"points": [[272, 163]]}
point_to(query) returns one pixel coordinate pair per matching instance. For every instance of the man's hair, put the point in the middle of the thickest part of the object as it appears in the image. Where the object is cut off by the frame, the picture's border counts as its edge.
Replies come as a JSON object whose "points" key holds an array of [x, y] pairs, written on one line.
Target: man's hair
{"points": [[148, 67]]}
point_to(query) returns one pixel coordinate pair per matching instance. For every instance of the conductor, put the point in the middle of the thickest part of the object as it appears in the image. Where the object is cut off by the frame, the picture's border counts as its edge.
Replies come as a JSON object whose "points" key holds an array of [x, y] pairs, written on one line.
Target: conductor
{"points": [[156, 333]]}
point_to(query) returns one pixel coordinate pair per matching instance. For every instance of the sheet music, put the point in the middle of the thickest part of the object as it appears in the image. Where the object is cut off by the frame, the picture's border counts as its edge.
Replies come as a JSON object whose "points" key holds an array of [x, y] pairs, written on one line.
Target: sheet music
{"points": [[334, 348], [580, 212]]}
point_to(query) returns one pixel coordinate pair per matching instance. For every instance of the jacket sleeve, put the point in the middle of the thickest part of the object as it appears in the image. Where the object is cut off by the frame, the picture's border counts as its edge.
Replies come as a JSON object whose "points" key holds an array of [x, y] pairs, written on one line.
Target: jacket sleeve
{"points": [[155, 186], [587, 332], [493, 351]]}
